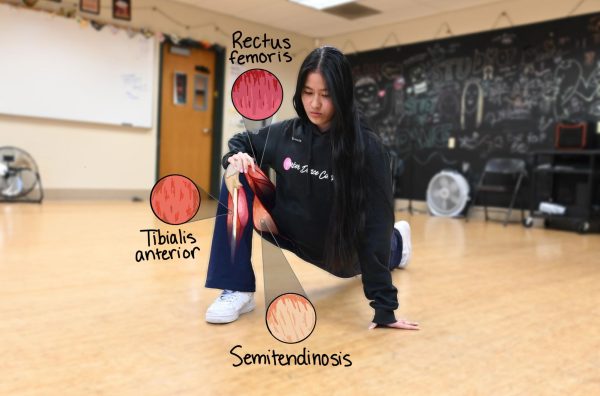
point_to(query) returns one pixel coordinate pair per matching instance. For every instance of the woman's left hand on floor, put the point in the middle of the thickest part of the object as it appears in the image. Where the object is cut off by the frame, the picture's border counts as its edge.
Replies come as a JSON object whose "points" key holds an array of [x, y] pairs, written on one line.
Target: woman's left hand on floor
{"points": [[400, 324]]}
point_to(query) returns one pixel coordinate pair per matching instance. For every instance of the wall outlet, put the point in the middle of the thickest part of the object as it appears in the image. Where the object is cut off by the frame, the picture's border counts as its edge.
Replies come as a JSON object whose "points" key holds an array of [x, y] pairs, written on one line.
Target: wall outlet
{"points": [[452, 142]]}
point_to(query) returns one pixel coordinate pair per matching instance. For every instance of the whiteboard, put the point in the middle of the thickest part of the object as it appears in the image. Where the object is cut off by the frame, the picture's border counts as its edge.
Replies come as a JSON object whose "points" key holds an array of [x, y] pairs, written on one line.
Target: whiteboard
{"points": [[54, 68]]}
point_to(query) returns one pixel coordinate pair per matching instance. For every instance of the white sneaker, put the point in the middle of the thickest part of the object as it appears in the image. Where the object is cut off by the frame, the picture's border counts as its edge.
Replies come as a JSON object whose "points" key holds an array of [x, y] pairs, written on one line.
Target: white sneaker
{"points": [[404, 228], [229, 306]]}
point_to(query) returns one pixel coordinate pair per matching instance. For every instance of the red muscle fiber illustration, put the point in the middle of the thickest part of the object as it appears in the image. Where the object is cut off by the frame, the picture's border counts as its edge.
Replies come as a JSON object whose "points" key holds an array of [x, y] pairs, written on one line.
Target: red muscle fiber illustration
{"points": [[242, 215], [175, 199], [264, 198], [257, 94], [291, 318]]}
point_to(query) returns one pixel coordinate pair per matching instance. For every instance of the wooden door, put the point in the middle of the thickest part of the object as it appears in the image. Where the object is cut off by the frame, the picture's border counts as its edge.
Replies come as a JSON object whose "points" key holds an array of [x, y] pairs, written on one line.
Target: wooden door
{"points": [[186, 120]]}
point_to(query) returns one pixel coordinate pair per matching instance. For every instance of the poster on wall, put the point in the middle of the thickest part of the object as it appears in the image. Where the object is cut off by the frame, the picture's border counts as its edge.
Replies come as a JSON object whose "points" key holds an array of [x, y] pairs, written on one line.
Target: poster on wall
{"points": [[122, 9], [237, 121], [90, 6]]}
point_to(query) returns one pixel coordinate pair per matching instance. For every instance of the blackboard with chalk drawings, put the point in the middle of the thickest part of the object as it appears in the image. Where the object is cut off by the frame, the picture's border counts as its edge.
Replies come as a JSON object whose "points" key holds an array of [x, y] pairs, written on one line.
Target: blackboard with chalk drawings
{"points": [[498, 93], [54, 68]]}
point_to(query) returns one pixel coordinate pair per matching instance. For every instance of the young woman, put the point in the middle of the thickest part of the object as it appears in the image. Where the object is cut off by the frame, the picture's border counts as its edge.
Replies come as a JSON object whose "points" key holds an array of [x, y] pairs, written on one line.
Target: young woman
{"points": [[333, 203]]}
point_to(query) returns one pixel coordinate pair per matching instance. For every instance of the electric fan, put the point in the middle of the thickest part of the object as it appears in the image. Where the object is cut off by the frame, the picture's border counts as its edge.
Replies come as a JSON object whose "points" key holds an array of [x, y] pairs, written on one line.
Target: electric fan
{"points": [[447, 194], [19, 177]]}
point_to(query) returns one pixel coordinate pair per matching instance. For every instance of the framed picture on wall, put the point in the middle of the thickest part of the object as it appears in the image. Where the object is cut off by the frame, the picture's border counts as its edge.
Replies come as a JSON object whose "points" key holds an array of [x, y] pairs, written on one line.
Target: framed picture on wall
{"points": [[122, 9], [90, 6]]}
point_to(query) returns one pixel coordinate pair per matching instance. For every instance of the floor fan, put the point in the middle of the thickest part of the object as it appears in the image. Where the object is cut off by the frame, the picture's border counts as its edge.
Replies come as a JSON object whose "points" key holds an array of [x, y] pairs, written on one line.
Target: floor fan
{"points": [[447, 194], [19, 176]]}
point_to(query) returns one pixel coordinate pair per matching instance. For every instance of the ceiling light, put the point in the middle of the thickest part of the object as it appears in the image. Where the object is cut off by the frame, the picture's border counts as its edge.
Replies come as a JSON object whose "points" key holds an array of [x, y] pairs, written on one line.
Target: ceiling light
{"points": [[321, 4]]}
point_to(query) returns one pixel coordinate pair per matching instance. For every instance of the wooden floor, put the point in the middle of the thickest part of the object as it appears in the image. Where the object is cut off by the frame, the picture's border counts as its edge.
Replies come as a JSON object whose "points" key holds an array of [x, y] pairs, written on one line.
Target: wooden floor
{"points": [[503, 310]]}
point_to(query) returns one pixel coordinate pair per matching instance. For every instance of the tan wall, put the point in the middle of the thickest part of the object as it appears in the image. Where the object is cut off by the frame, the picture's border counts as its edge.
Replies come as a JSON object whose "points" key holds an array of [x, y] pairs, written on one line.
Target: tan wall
{"points": [[466, 21], [80, 156]]}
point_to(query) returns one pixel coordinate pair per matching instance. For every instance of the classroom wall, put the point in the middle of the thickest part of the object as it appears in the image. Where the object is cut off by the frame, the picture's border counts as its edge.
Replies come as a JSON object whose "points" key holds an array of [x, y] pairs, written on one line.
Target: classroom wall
{"points": [[81, 160], [469, 20], [85, 160], [423, 125], [455, 103]]}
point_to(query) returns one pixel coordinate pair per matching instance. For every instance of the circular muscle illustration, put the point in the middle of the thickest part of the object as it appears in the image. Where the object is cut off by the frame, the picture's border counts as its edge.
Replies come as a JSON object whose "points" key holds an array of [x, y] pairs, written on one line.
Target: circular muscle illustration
{"points": [[257, 94], [175, 199], [291, 318]]}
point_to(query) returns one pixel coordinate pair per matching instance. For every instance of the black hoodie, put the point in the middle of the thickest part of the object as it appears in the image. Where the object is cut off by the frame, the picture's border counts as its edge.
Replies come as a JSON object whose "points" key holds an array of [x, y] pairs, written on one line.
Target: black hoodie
{"points": [[301, 155]]}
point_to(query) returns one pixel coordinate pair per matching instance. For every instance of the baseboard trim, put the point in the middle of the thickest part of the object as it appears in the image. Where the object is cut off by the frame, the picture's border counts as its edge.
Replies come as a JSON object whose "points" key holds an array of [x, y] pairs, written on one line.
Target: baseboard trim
{"points": [[95, 194], [475, 212]]}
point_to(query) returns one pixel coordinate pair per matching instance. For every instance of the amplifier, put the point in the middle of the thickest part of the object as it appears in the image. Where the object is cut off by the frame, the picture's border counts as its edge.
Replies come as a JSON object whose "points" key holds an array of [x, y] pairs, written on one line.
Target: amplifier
{"points": [[572, 136]]}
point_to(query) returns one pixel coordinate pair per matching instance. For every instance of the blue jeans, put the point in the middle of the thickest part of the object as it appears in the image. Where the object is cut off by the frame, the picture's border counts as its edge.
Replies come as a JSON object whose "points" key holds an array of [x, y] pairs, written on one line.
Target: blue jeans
{"points": [[225, 272]]}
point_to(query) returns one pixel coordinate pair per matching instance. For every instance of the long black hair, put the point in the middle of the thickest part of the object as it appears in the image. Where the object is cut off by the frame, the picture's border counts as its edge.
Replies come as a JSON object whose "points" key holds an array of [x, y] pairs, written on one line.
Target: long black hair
{"points": [[347, 221]]}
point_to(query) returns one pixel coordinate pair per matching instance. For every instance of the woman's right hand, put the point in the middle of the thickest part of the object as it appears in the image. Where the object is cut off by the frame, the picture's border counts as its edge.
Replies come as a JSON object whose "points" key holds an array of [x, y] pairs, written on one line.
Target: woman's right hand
{"points": [[241, 162]]}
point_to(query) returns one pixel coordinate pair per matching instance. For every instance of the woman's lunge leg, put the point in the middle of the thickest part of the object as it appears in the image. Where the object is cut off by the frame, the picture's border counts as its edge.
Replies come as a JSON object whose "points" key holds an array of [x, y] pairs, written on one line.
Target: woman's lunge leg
{"points": [[234, 275], [223, 271]]}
